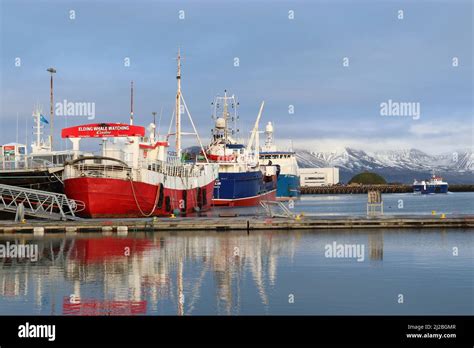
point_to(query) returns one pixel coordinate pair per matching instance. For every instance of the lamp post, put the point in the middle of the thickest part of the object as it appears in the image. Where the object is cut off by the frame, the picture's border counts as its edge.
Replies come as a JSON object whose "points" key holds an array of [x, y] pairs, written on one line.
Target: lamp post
{"points": [[51, 113]]}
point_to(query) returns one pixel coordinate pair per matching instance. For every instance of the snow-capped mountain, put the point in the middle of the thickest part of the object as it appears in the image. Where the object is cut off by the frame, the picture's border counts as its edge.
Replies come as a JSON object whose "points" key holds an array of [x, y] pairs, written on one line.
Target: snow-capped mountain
{"points": [[394, 165]]}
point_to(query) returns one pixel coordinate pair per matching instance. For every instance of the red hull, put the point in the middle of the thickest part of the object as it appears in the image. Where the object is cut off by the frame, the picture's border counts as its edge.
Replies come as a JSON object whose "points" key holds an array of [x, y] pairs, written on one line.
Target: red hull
{"points": [[113, 198], [245, 202]]}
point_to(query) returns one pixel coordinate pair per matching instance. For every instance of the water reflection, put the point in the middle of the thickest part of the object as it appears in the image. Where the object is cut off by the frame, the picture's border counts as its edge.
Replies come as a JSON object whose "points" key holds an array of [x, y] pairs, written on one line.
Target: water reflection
{"points": [[376, 246], [173, 273], [136, 273]]}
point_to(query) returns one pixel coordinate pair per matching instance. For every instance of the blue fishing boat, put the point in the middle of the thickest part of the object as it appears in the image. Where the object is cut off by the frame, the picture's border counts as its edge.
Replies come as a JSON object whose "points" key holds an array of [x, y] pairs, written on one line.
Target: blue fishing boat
{"points": [[242, 180]]}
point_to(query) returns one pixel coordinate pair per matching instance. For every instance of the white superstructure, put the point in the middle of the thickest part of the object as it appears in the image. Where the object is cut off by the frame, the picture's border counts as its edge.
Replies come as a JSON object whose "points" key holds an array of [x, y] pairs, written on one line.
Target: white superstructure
{"points": [[269, 153]]}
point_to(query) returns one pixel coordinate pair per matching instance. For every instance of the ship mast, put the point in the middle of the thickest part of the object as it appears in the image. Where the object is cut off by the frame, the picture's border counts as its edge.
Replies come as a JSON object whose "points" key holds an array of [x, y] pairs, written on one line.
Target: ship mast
{"points": [[178, 108], [131, 103], [177, 113]]}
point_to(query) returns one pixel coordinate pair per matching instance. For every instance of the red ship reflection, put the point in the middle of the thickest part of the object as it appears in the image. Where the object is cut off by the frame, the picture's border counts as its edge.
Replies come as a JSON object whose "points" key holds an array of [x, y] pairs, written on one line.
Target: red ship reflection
{"points": [[91, 307], [97, 250]]}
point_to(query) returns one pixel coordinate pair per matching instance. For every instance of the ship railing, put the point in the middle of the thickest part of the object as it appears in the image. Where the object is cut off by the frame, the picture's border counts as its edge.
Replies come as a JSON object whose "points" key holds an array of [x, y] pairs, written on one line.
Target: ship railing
{"points": [[100, 170], [32, 161], [172, 169], [40, 163], [173, 158]]}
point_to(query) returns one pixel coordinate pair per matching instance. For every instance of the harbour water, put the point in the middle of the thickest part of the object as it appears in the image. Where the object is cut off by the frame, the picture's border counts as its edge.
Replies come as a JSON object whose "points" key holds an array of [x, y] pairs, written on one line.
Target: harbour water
{"points": [[394, 204], [264, 272]]}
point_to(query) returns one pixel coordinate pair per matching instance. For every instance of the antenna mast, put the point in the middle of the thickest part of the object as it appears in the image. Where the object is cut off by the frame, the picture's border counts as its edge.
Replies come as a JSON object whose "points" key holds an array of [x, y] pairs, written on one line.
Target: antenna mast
{"points": [[225, 114], [178, 108]]}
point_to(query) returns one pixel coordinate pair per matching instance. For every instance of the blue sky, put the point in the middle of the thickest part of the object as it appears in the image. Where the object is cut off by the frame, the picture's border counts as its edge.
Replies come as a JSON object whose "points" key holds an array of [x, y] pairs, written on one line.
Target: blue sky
{"points": [[285, 62]]}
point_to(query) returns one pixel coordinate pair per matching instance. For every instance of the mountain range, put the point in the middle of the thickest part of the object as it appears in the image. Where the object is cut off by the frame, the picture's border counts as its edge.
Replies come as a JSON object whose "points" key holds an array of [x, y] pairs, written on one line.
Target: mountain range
{"points": [[395, 165]]}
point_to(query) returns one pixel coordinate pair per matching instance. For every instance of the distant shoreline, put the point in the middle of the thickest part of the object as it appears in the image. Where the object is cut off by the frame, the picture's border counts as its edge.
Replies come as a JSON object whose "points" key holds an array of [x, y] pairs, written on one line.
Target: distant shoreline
{"points": [[359, 189]]}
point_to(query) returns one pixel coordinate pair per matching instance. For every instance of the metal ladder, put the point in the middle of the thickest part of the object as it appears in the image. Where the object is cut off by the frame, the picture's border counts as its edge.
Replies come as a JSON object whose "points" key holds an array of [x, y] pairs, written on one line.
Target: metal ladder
{"points": [[36, 203]]}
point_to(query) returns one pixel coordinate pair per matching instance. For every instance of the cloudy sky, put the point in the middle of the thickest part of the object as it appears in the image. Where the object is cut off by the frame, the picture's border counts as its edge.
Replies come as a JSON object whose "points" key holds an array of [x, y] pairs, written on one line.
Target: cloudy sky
{"points": [[290, 54]]}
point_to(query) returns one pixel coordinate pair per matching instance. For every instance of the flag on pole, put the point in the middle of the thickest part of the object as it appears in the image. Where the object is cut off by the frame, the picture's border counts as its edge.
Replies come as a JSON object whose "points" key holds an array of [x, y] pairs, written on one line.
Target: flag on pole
{"points": [[43, 119]]}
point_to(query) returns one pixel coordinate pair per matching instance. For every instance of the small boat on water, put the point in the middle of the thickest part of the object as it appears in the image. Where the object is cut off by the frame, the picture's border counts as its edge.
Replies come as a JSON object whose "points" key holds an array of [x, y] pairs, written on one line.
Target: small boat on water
{"points": [[242, 181], [135, 176], [288, 186], [434, 185]]}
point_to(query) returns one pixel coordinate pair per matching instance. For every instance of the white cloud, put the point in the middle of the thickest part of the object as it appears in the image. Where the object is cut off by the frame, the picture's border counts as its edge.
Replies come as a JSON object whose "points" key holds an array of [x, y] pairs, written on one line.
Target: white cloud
{"points": [[428, 129]]}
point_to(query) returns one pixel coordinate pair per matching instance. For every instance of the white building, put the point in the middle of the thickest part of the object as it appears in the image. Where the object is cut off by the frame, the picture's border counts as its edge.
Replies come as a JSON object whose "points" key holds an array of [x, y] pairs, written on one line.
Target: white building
{"points": [[311, 177]]}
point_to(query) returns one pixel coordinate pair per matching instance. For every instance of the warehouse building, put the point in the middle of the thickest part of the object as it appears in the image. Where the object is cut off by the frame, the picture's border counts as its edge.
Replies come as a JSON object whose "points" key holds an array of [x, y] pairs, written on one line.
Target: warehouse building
{"points": [[313, 177]]}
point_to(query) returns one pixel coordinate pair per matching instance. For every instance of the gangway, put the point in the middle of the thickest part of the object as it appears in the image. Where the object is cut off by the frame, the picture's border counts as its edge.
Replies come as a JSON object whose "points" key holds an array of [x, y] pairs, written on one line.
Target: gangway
{"points": [[37, 203], [269, 206]]}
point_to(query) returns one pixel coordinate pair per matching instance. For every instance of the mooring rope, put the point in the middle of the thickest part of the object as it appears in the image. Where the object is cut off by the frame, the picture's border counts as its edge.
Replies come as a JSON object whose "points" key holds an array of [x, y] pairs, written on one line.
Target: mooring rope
{"points": [[138, 205]]}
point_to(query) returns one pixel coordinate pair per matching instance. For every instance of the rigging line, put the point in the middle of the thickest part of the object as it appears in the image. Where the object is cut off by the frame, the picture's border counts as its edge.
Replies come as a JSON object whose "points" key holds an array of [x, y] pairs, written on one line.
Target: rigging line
{"points": [[171, 124], [195, 130], [159, 122]]}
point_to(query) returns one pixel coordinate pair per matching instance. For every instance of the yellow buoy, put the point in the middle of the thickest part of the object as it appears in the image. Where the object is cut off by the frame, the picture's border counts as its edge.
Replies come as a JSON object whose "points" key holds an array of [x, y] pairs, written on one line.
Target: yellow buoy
{"points": [[433, 212], [443, 216], [172, 216]]}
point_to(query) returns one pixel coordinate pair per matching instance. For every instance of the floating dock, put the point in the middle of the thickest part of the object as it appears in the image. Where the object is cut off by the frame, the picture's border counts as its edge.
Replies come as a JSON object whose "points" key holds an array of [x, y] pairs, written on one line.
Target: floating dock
{"points": [[40, 227]]}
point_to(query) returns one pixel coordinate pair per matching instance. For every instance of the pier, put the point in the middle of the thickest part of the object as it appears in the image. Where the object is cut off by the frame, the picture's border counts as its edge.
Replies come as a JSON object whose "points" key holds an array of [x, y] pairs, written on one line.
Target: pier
{"points": [[389, 188], [124, 226]]}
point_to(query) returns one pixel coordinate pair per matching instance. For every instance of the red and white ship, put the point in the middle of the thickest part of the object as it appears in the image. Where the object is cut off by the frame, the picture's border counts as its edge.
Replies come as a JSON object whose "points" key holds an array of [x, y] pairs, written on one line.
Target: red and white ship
{"points": [[134, 176]]}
